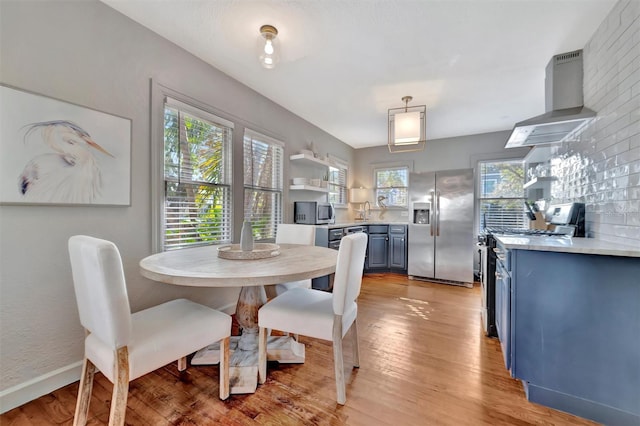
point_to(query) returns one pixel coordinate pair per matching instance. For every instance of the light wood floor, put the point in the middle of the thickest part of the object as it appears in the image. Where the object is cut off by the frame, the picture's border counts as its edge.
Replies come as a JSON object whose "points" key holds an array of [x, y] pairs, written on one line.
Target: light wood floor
{"points": [[423, 361]]}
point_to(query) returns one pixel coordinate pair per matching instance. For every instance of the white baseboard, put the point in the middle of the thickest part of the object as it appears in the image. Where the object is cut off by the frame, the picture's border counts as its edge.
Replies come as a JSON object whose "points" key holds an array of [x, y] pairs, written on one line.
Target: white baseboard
{"points": [[28, 391]]}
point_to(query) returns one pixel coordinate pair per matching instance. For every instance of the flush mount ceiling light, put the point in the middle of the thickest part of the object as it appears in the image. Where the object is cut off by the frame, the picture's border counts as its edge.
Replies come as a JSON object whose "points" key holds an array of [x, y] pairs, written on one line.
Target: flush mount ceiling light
{"points": [[407, 127], [268, 48]]}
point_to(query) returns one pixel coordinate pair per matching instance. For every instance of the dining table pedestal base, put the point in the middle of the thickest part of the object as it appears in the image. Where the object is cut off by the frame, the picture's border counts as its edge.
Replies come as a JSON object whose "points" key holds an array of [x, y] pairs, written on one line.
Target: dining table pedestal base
{"points": [[243, 365]]}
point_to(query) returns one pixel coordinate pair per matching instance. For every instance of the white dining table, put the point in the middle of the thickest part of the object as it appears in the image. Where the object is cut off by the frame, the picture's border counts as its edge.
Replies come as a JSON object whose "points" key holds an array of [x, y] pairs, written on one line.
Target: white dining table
{"points": [[202, 267]]}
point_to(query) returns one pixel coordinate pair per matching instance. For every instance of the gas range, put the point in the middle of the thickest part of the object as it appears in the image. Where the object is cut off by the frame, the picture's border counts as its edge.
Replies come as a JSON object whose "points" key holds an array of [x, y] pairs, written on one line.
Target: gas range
{"points": [[567, 219]]}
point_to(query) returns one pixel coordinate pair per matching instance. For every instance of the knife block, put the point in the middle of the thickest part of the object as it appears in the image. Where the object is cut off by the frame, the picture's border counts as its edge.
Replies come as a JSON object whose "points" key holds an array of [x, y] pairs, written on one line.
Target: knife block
{"points": [[539, 222]]}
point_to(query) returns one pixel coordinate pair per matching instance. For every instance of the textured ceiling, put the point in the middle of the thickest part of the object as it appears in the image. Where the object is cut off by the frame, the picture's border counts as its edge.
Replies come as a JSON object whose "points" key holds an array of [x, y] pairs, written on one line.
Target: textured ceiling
{"points": [[477, 65]]}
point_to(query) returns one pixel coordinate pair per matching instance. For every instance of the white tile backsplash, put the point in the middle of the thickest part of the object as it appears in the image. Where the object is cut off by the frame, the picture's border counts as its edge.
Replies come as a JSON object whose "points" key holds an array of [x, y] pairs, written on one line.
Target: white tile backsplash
{"points": [[602, 167]]}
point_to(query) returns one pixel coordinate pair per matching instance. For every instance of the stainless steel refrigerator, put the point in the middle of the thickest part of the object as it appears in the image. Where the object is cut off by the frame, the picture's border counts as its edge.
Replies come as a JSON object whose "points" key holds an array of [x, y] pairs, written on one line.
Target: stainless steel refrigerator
{"points": [[441, 240]]}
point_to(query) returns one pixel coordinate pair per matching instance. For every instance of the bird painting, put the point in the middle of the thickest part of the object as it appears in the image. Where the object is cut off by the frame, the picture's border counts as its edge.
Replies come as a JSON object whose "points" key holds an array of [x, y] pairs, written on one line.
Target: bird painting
{"points": [[68, 174]]}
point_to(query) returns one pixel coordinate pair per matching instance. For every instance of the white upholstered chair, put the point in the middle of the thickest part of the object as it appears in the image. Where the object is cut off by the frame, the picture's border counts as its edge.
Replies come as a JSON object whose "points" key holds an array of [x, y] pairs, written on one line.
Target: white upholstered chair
{"points": [[125, 346], [319, 314], [294, 234]]}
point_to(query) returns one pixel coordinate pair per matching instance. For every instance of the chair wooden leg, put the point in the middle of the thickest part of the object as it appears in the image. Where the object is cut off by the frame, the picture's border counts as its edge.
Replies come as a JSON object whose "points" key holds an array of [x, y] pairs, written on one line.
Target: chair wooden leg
{"points": [[120, 388], [224, 368], [356, 349], [262, 355], [84, 393], [182, 363], [337, 359]]}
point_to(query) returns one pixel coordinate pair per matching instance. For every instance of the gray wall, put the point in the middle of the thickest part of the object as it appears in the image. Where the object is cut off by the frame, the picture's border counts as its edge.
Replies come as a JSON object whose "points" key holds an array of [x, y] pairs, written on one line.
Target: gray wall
{"points": [[86, 53], [462, 152]]}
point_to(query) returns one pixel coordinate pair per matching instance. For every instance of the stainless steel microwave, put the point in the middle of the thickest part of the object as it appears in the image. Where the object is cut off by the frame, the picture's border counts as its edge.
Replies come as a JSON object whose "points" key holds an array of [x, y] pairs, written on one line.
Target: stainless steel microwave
{"points": [[313, 213]]}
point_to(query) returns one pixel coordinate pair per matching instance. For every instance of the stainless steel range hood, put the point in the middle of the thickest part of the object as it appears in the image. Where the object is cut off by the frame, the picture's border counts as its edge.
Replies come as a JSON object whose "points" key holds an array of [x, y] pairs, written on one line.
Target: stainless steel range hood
{"points": [[566, 115]]}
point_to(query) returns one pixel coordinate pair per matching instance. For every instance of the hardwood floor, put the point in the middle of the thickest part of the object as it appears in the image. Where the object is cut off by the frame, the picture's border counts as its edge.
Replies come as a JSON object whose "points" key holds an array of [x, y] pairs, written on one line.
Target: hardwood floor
{"points": [[423, 361]]}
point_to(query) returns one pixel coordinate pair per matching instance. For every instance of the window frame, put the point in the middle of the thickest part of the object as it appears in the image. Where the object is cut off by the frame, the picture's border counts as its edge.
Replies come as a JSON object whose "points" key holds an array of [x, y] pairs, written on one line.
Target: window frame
{"points": [[276, 190], [342, 191], [391, 167], [205, 115], [514, 223]]}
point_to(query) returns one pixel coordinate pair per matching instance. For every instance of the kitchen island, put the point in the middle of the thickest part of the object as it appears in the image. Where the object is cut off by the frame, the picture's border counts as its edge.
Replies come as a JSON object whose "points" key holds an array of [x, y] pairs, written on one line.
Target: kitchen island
{"points": [[568, 317]]}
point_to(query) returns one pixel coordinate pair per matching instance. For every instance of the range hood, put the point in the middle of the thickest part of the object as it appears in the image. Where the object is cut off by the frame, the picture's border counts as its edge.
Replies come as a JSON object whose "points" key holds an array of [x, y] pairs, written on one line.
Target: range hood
{"points": [[566, 114]]}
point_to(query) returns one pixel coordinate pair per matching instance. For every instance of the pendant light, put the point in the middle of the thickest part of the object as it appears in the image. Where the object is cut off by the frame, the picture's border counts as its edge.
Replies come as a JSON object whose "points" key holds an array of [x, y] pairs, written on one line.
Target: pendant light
{"points": [[407, 127]]}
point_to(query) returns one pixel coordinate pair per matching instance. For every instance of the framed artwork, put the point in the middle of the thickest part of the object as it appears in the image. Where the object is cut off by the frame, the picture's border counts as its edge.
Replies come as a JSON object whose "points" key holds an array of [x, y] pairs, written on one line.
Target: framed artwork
{"points": [[55, 152]]}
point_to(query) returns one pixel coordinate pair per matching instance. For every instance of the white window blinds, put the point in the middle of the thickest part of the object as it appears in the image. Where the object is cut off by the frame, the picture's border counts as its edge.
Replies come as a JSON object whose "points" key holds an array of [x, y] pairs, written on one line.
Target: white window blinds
{"points": [[501, 194], [338, 171], [263, 184], [197, 177]]}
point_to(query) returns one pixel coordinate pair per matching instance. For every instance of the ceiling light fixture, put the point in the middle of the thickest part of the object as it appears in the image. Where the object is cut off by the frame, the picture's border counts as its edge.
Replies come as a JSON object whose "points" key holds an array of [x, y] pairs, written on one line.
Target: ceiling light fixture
{"points": [[407, 127], [268, 47]]}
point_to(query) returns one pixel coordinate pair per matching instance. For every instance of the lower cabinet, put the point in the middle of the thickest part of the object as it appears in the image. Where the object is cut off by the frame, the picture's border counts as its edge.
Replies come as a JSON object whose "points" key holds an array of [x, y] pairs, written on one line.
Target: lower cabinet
{"points": [[387, 249], [398, 247], [378, 256], [568, 325], [503, 311]]}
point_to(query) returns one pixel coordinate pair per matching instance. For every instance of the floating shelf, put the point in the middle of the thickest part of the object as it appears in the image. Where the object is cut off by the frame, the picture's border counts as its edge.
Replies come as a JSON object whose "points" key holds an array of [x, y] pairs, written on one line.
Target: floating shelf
{"points": [[308, 188], [539, 182], [309, 159]]}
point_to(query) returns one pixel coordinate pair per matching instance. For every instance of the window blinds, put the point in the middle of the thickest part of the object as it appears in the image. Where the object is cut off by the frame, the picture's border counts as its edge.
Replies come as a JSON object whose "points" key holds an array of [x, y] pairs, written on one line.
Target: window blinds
{"points": [[501, 195], [263, 183], [338, 171], [197, 177]]}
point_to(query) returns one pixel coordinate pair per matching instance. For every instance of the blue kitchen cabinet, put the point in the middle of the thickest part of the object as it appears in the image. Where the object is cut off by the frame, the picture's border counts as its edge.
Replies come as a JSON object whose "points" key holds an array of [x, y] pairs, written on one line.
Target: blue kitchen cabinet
{"points": [[570, 331], [378, 253], [398, 247], [503, 304]]}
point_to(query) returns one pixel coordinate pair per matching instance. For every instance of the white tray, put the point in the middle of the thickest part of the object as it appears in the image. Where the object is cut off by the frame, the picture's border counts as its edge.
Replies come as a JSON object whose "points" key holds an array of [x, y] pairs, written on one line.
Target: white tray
{"points": [[260, 251]]}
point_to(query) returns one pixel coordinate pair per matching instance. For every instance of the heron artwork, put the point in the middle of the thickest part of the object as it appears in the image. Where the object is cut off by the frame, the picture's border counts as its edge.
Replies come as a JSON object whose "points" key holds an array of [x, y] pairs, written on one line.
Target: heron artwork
{"points": [[68, 174]]}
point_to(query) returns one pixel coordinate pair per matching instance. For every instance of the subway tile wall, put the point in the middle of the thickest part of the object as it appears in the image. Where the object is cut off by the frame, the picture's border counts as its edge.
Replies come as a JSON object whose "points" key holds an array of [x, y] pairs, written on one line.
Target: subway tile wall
{"points": [[602, 167]]}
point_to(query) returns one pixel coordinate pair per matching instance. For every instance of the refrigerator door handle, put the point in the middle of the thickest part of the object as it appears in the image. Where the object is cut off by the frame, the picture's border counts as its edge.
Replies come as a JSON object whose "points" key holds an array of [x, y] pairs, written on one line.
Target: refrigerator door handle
{"points": [[437, 213], [432, 212]]}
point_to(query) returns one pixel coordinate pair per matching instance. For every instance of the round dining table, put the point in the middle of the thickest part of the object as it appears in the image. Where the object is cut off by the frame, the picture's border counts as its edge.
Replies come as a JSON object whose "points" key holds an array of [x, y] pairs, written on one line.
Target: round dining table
{"points": [[203, 267]]}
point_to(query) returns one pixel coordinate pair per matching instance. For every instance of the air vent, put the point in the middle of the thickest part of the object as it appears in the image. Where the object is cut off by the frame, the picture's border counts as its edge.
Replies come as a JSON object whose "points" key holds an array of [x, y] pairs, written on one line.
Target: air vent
{"points": [[567, 57]]}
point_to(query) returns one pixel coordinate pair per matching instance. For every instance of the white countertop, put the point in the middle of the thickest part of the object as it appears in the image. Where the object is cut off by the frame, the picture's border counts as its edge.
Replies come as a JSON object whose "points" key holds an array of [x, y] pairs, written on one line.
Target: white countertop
{"points": [[568, 245], [361, 223]]}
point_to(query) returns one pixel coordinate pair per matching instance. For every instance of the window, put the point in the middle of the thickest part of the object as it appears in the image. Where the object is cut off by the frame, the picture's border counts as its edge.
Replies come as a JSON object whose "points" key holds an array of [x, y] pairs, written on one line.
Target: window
{"points": [[501, 194], [338, 182], [197, 177], [392, 183], [262, 183]]}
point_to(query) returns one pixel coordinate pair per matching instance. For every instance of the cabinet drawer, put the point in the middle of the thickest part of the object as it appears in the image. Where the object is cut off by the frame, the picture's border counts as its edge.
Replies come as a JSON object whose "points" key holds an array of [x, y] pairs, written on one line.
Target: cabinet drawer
{"points": [[378, 229], [397, 229], [334, 244], [335, 234]]}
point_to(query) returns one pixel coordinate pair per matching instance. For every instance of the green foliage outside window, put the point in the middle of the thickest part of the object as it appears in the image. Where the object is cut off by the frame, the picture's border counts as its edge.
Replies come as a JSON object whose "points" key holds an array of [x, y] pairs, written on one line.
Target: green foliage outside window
{"points": [[197, 193]]}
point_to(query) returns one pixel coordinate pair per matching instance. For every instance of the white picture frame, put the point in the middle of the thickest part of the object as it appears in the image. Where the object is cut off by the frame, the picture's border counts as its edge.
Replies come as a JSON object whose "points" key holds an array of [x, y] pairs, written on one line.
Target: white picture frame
{"points": [[59, 153]]}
